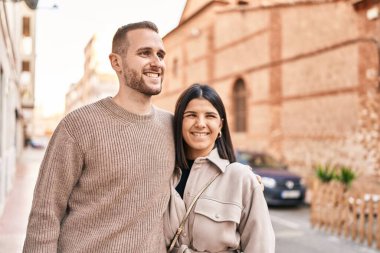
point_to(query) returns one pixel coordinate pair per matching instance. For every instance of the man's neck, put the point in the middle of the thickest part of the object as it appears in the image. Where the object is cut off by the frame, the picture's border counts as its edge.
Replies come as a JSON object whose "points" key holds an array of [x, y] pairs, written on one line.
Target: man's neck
{"points": [[134, 102]]}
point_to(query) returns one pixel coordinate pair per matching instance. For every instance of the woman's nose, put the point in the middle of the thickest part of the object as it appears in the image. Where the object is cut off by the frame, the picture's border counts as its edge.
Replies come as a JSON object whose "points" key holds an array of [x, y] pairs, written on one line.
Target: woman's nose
{"points": [[200, 122]]}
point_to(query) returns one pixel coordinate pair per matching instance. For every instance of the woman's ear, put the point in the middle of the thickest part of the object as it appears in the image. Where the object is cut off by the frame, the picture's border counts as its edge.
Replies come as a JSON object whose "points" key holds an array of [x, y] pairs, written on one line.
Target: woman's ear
{"points": [[115, 61], [220, 127], [221, 124]]}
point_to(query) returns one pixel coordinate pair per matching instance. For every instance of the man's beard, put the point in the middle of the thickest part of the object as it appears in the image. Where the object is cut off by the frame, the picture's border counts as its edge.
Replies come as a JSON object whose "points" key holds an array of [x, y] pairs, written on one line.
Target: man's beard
{"points": [[132, 81]]}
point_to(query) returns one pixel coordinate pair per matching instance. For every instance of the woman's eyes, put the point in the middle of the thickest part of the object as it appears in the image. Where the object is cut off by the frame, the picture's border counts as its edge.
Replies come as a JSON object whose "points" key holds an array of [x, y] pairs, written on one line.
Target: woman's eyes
{"points": [[208, 116]]}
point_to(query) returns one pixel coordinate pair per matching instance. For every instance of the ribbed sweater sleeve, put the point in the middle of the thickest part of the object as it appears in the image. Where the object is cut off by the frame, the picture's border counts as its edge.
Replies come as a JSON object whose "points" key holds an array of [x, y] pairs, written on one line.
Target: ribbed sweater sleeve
{"points": [[104, 183], [59, 172]]}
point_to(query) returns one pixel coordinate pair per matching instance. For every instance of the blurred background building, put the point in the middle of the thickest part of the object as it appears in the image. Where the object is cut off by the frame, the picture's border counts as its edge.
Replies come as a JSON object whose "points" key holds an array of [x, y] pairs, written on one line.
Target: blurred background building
{"points": [[299, 78], [97, 82], [17, 68]]}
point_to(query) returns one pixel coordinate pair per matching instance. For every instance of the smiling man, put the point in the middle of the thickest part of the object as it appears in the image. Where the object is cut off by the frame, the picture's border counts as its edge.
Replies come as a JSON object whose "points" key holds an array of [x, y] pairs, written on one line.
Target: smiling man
{"points": [[140, 68], [103, 184]]}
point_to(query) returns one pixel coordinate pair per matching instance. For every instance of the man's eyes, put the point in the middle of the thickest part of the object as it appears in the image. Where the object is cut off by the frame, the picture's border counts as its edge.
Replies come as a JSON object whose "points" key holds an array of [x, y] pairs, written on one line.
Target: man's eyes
{"points": [[161, 56], [149, 53], [145, 53]]}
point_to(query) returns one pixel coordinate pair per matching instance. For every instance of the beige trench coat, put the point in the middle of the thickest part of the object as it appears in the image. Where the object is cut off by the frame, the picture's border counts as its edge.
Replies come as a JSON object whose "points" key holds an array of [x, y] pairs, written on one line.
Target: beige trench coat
{"points": [[230, 215]]}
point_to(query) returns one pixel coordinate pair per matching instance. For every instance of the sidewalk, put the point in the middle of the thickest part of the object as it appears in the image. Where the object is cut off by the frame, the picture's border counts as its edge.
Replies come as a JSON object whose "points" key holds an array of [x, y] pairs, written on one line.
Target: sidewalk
{"points": [[14, 218]]}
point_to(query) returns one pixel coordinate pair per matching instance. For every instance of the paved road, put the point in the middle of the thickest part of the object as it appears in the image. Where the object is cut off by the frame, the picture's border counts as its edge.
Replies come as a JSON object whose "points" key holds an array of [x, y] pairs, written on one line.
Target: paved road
{"points": [[295, 235]]}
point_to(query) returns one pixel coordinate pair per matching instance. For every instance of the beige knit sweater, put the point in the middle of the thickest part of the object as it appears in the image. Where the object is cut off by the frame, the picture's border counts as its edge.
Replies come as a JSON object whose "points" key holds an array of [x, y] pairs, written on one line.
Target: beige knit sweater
{"points": [[104, 183]]}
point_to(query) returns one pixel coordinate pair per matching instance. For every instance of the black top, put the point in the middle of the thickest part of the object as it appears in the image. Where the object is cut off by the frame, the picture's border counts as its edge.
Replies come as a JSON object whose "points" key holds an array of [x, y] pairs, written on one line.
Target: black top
{"points": [[185, 175]]}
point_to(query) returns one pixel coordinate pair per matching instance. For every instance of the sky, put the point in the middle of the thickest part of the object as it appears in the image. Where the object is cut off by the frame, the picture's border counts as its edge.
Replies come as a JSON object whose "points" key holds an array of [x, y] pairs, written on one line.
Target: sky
{"points": [[62, 34]]}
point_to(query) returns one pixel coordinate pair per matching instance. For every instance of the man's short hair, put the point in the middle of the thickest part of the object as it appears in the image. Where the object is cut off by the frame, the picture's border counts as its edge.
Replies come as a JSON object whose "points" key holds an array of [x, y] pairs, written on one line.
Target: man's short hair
{"points": [[120, 42]]}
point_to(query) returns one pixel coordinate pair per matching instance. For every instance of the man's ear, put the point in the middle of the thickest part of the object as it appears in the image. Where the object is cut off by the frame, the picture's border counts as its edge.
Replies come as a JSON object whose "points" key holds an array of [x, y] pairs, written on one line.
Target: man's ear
{"points": [[115, 61]]}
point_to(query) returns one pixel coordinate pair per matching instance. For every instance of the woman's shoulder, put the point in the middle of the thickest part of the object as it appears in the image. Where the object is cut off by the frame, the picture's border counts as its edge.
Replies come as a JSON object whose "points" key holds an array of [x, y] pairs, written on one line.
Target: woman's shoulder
{"points": [[239, 168], [243, 173]]}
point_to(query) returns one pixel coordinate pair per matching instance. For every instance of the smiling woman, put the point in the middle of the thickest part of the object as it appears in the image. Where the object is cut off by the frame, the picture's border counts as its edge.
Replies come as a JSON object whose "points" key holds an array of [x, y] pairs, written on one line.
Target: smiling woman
{"points": [[201, 127], [210, 191]]}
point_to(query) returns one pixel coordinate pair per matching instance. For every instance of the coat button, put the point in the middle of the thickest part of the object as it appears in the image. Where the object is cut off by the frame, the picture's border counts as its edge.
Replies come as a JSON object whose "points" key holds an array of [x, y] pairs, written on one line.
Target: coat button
{"points": [[184, 234]]}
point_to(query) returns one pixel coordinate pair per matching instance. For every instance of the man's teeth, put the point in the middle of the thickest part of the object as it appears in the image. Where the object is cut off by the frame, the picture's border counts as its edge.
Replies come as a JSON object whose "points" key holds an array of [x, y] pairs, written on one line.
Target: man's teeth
{"points": [[152, 74]]}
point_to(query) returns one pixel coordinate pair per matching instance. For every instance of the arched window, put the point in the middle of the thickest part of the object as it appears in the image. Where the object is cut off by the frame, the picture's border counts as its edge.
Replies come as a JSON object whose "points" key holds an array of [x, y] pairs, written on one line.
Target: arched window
{"points": [[240, 105]]}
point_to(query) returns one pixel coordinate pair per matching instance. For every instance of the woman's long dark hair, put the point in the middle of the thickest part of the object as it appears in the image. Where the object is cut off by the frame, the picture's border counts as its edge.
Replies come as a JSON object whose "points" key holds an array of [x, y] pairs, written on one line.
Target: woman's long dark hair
{"points": [[223, 144]]}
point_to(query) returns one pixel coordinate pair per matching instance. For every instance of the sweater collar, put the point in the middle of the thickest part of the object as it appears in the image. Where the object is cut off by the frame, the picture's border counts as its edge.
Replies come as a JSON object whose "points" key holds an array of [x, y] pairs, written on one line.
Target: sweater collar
{"points": [[121, 112]]}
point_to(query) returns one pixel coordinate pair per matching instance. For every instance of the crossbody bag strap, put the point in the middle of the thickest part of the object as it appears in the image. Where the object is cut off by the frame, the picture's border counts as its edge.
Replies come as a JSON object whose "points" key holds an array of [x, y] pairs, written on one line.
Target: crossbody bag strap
{"points": [[182, 225]]}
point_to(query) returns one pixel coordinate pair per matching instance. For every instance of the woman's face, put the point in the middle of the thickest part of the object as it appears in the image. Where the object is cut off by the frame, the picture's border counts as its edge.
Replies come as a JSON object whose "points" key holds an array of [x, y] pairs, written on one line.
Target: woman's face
{"points": [[200, 127]]}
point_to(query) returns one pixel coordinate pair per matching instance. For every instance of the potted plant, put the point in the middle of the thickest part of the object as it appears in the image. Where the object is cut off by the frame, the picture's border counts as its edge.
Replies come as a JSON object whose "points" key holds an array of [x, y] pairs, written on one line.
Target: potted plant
{"points": [[325, 173], [346, 175]]}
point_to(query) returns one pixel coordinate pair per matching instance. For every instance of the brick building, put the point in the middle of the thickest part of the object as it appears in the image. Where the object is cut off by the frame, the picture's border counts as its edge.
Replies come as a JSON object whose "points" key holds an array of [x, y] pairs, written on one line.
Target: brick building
{"points": [[299, 78]]}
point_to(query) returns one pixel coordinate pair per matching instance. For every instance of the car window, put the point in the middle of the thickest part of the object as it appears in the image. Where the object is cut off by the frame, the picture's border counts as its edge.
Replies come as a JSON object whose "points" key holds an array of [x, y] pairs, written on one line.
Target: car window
{"points": [[259, 160], [271, 162]]}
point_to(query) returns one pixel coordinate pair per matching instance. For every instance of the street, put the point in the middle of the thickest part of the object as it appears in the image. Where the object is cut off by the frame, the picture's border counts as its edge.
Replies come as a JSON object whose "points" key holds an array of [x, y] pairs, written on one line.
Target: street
{"points": [[295, 235], [292, 228]]}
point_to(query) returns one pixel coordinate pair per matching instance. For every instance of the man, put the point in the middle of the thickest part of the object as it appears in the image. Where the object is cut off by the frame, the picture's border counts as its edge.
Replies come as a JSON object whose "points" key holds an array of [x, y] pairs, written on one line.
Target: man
{"points": [[103, 184]]}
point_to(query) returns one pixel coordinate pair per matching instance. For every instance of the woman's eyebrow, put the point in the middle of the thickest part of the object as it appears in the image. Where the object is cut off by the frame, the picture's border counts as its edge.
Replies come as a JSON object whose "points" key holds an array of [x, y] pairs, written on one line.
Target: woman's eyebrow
{"points": [[189, 112]]}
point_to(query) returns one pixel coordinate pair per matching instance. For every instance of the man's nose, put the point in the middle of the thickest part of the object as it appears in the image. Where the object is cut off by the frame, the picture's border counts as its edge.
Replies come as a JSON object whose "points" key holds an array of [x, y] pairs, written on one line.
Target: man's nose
{"points": [[156, 61]]}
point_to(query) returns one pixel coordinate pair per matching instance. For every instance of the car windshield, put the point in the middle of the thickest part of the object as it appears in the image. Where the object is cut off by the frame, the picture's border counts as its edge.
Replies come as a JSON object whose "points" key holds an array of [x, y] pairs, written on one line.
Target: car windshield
{"points": [[260, 160]]}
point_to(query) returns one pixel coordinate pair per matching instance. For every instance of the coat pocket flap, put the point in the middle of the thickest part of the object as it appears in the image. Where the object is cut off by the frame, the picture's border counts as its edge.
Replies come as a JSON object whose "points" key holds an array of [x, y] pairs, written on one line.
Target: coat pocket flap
{"points": [[218, 211]]}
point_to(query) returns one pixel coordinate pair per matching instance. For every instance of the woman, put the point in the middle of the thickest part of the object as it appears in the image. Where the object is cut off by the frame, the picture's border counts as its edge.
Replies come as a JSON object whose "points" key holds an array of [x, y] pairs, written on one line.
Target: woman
{"points": [[231, 214]]}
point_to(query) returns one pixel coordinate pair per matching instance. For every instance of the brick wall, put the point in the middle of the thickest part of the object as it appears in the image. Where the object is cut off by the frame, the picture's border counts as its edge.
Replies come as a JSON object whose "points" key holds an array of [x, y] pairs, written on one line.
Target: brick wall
{"points": [[310, 79]]}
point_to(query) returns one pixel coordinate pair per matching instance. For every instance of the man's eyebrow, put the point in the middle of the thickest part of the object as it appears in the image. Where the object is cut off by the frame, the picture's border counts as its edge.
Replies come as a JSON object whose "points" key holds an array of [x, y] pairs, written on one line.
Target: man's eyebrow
{"points": [[144, 49]]}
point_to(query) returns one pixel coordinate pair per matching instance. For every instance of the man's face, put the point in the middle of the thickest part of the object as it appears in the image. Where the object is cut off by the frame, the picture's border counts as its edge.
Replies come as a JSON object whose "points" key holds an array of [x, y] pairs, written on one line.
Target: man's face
{"points": [[143, 64]]}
